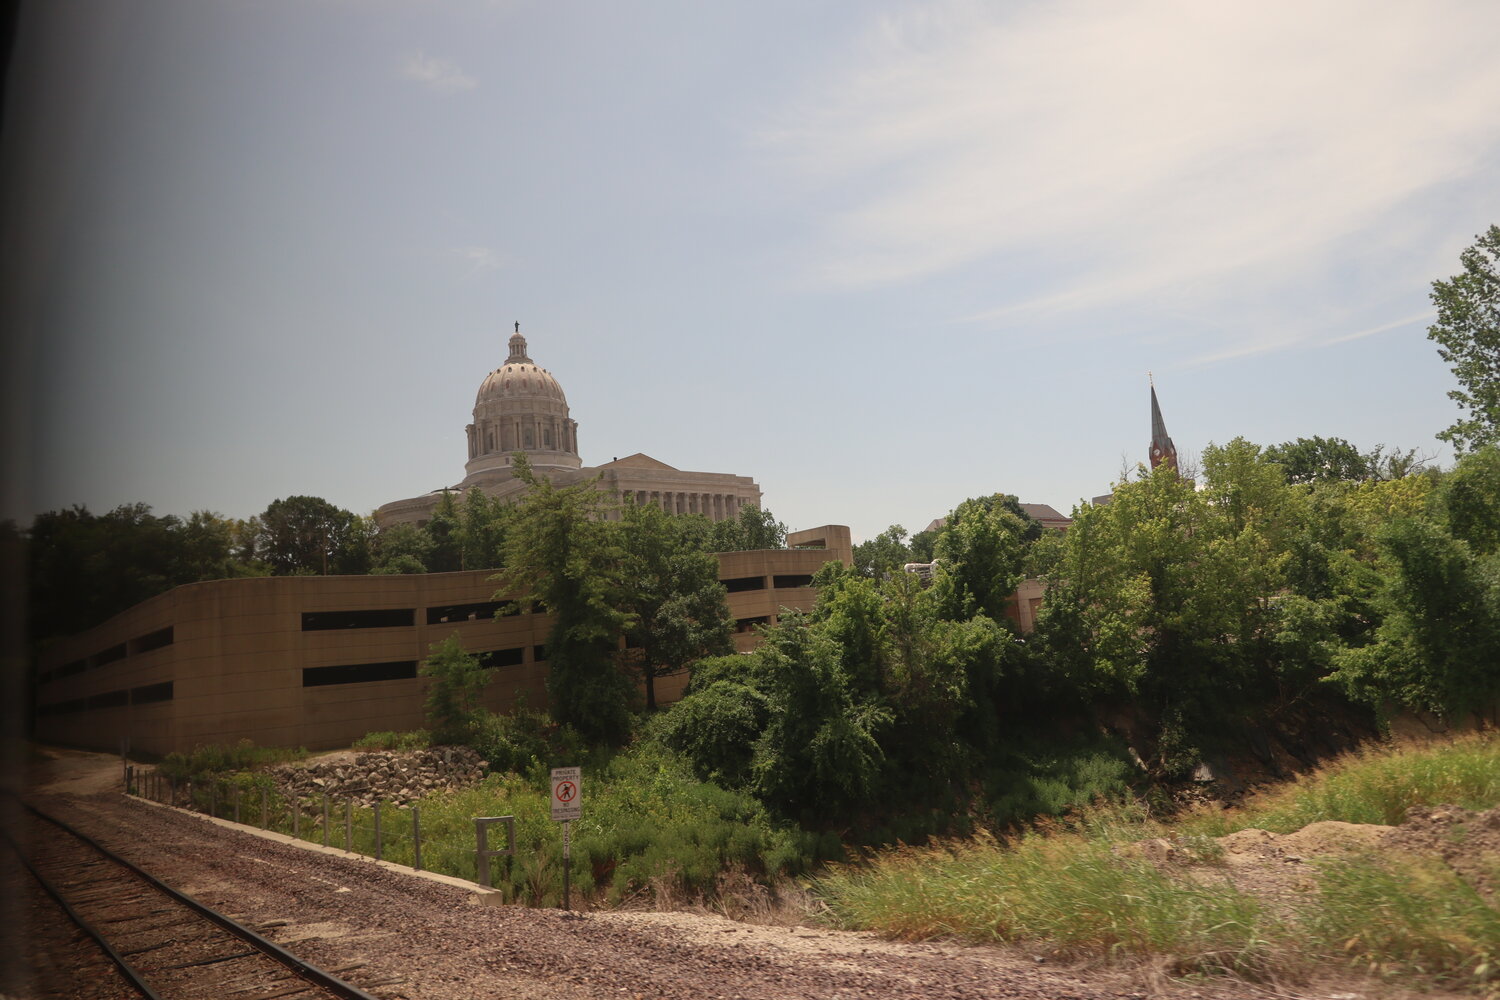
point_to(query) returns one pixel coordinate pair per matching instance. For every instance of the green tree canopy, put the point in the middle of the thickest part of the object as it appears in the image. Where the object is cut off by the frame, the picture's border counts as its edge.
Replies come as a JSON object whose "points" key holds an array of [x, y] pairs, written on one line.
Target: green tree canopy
{"points": [[302, 536], [1467, 333], [672, 598], [562, 553], [457, 682]]}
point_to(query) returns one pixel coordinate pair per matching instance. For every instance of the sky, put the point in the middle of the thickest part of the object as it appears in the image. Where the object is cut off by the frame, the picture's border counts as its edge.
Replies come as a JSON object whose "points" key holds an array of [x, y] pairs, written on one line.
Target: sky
{"points": [[881, 257]]}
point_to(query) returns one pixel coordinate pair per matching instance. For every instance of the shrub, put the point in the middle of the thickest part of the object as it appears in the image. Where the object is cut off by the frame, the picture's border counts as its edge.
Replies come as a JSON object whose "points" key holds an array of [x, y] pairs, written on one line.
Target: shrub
{"points": [[416, 739], [218, 759]]}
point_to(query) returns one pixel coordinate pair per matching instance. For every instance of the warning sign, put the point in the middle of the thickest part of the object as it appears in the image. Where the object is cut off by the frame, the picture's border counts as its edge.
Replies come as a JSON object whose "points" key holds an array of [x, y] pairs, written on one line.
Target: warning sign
{"points": [[567, 793]]}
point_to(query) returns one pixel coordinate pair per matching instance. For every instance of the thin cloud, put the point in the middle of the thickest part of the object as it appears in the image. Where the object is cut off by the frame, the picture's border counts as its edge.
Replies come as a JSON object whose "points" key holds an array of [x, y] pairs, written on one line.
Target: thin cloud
{"points": [[441, 75], [1301, 340], [480, 259], [1117, 150]]}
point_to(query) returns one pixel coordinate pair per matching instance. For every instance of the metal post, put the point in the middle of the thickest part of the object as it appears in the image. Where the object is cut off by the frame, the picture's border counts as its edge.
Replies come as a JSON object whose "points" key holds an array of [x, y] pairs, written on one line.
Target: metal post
{"points": [[348, 826], [296, 818], [567, 858], [190, 794], [128, 776], [325, 819], [236, 803], [482, 852], [377, 830], [213, 799], [264, 805], [416, 836], [172, 785]]}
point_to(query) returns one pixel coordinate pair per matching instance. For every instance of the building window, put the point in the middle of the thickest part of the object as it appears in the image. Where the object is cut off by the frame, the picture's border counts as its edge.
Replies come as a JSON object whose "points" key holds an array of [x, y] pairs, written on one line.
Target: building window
{"points": [[110, 699], [149, 693], [502, 657], [792, 580], [152, 640], [741, 583], [359, 673], [109, 655], [319, 621], [481, 611]]}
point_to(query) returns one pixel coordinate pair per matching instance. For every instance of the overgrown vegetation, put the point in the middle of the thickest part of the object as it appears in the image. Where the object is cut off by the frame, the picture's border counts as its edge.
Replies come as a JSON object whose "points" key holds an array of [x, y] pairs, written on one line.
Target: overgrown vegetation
{"points": [[1072, 890], [204, 761], [415, 739]]}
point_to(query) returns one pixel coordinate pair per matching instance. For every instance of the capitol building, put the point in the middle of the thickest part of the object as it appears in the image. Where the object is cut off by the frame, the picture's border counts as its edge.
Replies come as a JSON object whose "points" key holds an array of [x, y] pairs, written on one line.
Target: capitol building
{"points": [[521, 407]]}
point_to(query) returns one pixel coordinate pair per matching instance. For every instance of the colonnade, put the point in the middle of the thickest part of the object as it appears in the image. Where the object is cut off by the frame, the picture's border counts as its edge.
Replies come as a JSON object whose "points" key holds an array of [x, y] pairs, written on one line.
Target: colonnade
{"points": [[714, 506], [528, 433]]}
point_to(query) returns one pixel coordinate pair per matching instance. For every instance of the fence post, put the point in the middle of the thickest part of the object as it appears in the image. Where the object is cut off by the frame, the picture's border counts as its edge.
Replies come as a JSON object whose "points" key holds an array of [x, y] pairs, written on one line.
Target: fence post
{"points": [[325, 819], [348, 826], [172, 785], [377, 830], [296, 818], [213, 798], [128, 776], [236, 803], [416, 836], [264, 804], [482, 852]]}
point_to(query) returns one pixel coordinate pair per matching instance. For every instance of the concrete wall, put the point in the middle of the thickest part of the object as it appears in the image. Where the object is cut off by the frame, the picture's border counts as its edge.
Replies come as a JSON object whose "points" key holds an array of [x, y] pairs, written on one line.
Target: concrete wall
{"points": [[239, 655]]}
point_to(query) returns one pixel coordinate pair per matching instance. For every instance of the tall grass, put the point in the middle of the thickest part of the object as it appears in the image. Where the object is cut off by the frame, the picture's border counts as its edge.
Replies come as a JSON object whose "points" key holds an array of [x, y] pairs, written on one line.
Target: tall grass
{"points": [[1405, 916], [1065, 892], [1375, 786], [1073, 891], [203, 761]]}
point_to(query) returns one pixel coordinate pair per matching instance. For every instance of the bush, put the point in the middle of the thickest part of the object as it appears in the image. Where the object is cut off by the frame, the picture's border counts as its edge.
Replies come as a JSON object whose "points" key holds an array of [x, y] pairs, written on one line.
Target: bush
{"points": [[526, 742], [416, 739], [218, 759]]}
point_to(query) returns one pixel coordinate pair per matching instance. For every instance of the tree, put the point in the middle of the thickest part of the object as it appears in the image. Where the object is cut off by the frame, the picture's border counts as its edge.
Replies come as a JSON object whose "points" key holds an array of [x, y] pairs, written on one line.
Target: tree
{"points": [[1319, 459], [673, 599], [402, 548], [453, 696], [446, 552], [1467, 332], [1438, 642], [755, 528], [560, 551], [885, 553], [302, 535], [481, 530], [981, 555]]}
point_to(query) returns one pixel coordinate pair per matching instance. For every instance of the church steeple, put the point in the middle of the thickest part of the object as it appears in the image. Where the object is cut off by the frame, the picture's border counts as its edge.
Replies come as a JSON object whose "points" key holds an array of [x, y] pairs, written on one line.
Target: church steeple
{"points": [[1162, 449]]}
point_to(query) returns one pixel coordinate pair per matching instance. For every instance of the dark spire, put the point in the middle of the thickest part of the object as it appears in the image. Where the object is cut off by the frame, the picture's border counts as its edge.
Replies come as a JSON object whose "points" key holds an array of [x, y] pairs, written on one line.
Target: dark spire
{"points": [[1162, 449]]}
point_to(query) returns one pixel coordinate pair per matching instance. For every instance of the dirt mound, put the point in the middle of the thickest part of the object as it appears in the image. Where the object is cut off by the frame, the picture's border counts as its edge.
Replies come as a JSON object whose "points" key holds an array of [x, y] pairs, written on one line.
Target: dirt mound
{"points": [[1466, 841]]}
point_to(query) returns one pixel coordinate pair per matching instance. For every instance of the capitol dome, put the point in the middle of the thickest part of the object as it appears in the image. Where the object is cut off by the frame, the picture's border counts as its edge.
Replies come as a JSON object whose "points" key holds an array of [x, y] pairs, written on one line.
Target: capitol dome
{"points": [[519, 407]]}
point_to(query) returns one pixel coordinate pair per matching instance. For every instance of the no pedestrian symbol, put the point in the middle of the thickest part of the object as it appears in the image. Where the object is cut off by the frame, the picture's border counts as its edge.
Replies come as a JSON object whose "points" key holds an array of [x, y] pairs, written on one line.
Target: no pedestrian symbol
{"points": [[567, 793]]}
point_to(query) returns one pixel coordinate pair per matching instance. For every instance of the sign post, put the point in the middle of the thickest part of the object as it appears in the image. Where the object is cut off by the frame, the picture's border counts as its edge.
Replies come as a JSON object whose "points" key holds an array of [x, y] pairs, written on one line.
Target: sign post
{"points": [[567, 805]]}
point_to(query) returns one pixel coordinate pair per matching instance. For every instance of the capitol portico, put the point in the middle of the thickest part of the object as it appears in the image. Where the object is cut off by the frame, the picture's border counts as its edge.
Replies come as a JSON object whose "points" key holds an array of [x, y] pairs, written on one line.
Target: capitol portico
{"points": [[521, 407]]}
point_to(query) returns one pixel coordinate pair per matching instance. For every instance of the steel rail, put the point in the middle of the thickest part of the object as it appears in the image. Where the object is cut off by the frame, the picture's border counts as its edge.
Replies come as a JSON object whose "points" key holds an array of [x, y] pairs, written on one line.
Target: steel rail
{"points": [[307, 971], [126, 969]]}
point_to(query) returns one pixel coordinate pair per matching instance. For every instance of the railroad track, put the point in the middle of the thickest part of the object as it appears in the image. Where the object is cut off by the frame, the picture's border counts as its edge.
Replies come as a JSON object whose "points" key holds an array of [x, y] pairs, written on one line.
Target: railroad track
{"points": [[165, 943]]}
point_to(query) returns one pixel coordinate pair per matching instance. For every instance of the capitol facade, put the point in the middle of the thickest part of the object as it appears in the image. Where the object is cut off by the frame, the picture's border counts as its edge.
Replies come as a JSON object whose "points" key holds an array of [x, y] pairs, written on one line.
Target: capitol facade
{"points": [[521, 407]]}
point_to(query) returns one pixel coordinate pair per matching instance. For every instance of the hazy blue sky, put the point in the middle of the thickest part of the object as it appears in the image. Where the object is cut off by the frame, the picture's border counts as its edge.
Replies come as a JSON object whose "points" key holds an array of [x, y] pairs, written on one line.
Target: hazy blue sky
{"points": [[881, 257]]}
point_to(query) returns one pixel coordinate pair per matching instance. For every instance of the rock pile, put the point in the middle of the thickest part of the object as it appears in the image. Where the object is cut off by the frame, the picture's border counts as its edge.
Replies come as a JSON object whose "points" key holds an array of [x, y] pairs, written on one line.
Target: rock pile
{"points": [[384, 776]]}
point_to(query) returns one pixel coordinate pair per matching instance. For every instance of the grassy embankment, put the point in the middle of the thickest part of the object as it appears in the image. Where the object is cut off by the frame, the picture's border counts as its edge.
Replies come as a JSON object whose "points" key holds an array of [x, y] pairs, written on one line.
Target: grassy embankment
{"points": [[650, 830], [1072, 891]]}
